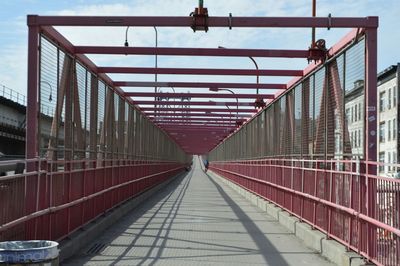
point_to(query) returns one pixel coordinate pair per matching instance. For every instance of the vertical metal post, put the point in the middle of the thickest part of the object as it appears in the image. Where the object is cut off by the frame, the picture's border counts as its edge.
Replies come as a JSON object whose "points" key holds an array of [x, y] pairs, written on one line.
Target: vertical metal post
{"points": [[314, 13], [32, 147], [370, 144], [371, 96], [156, 66], [94, 94], [32, 115]]}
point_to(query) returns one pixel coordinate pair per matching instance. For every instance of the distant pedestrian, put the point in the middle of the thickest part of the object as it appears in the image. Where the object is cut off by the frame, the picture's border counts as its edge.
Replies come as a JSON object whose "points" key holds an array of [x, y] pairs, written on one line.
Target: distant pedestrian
{"points": [[206, 163]]}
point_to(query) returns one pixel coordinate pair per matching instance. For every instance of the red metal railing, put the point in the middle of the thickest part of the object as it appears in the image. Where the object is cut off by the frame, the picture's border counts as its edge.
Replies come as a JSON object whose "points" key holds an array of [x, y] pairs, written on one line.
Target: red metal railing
{"points": [[65, 195], [337, 197]]}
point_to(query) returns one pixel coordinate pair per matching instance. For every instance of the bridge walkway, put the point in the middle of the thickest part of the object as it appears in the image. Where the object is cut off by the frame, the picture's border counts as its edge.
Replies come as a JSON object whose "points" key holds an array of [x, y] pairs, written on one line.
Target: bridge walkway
{"points": [[197, 220]]}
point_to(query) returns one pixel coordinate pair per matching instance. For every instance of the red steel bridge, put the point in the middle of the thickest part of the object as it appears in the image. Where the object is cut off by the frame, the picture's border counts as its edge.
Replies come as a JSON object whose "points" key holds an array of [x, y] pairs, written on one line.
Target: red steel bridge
{"points": [[294, 146]]}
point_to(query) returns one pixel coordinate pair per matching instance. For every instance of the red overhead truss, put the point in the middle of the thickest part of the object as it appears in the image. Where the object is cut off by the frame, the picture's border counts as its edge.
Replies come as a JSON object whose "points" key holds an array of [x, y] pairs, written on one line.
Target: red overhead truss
{"points": [[166, 104]]}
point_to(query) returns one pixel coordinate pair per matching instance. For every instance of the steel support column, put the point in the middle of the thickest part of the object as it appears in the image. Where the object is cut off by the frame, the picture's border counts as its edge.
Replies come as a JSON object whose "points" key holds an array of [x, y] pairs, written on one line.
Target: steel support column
{"points": [[32, 137], [32, 146], [371, 133]]}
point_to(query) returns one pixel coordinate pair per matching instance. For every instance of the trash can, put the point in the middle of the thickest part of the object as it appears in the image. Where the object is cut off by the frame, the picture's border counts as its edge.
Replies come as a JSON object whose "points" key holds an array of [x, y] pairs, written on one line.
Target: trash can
{"points": [[32, 252]]}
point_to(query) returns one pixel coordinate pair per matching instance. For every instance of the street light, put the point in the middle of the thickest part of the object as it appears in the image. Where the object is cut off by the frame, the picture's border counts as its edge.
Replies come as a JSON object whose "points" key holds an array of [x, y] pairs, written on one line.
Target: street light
{"points": [[167, 98], [126, 44], [259, 102], [238, 123], [51, 89]]}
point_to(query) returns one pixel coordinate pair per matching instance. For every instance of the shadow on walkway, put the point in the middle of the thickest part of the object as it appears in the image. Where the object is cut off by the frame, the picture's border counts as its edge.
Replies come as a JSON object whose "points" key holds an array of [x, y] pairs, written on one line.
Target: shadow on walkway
{"points": [[270, 254]]}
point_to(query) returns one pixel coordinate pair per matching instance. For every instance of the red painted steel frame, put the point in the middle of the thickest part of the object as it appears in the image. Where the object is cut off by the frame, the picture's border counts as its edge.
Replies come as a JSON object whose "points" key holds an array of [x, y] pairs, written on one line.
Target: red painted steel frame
{"points": [[187, 103], [199, 85], [172, 128], [191, 51], [371, 117], [48, 221], [31, 122], [197, 95], [187, 124], [164, 109], [206, 119], [290, 185], [247, 22], [269, 175], [190, 114], [199, 71], [248, 174]]}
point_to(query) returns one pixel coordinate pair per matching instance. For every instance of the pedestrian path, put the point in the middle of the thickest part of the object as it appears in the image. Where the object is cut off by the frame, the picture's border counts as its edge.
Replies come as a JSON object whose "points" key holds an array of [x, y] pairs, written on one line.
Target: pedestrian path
{"points": [[197, 220]]}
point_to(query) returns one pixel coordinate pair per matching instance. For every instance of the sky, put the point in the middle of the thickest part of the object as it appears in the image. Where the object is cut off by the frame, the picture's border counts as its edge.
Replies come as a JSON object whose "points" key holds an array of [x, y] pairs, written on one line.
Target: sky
{"points": [[13, 34]]}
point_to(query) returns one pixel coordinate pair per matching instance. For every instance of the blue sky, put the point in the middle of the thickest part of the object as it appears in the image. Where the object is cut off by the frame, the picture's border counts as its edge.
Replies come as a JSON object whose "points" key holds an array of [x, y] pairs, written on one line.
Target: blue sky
{"points": [[13, 32]]}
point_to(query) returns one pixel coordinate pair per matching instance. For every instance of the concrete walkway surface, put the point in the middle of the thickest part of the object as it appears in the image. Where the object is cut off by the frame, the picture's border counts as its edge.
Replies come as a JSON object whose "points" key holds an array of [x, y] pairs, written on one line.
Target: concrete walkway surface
{"points": [[197, 220]]}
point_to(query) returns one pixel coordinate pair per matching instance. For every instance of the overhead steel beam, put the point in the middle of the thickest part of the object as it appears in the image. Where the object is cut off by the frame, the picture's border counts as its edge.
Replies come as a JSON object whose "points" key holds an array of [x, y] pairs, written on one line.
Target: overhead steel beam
{"points": [[192, 141], [195, 128], [200, 85], [174, 128], [225, 22], [198, 95], [191, 136], [173, 51], [219, 119], [220, 110], [200, 71], [187, 103], [196, 124], [193, 123], [180, 114]]}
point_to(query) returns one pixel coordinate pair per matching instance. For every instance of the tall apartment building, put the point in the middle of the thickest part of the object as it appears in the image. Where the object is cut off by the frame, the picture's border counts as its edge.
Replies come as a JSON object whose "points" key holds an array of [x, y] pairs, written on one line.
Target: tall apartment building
{"points": [[388, 117]]}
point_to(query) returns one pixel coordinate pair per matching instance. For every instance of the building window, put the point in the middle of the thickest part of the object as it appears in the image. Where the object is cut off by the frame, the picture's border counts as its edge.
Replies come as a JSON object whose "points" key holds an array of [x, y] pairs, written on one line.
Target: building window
{"points": [[355, 113], [381, 160], [352, 139], [348, 114], [394, 128], [390, 161], [359, 111], [394, 97], [359, 138], [355, 139], [389, 130], [382, 101], [351, 115], [394, 157], [382, 132], [390, 99]]}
